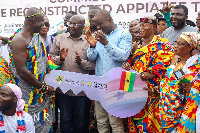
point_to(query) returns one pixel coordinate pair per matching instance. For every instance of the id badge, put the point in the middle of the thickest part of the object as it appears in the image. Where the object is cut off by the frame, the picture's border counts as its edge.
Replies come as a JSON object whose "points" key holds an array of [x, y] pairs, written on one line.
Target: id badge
{"points": [[179, 73]]}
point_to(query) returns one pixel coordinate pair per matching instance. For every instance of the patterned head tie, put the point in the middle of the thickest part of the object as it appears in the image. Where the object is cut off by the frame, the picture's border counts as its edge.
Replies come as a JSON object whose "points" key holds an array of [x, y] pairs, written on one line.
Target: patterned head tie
{"points": [[193, 38], [41, 12], [147, 20]]}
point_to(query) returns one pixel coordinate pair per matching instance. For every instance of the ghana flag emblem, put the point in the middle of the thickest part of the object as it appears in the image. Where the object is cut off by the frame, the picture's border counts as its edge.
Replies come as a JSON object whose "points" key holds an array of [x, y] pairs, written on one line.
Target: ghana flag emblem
{"points": [[52, 65], [188, 78], [127, 81]]}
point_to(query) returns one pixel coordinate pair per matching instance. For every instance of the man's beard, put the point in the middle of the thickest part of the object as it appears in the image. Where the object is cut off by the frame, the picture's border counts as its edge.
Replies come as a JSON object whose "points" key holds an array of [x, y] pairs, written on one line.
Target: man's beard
{"points": [[6, 107], [180, 24]]}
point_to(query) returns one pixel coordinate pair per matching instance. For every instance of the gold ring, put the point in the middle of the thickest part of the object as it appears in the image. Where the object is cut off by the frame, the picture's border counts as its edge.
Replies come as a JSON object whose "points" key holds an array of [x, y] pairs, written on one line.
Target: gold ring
{"points": [[142, 75]]}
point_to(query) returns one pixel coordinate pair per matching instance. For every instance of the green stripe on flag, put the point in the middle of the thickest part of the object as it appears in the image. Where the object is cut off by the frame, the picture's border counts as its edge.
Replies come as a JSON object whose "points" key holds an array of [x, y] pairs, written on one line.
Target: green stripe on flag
{"points": [[185, 80], [132, 80]]}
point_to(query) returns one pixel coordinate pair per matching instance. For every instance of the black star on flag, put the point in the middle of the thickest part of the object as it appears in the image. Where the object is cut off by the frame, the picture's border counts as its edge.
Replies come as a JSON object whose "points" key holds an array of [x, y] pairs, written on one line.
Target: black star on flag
{"points": [[127, 81]]}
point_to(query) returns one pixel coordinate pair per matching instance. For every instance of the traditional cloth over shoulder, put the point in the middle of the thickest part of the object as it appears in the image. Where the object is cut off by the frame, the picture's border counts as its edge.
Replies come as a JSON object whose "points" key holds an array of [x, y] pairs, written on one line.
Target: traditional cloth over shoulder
{"points": [[35, 102], [174, 114], [153, 58]]}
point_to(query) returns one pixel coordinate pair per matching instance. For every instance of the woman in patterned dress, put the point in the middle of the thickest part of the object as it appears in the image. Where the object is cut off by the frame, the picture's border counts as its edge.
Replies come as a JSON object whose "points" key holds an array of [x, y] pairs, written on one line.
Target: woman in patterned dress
{"points": [[179, 99]]}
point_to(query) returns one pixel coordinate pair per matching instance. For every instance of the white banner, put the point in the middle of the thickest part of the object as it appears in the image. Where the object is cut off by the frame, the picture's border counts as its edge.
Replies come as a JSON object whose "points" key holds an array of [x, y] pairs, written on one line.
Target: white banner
{"points": [[104, 89], [122, 11]]}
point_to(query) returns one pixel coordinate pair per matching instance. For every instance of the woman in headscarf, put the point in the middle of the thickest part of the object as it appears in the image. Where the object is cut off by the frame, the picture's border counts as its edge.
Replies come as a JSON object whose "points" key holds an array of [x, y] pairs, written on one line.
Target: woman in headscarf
{"points": [[179, 90]]}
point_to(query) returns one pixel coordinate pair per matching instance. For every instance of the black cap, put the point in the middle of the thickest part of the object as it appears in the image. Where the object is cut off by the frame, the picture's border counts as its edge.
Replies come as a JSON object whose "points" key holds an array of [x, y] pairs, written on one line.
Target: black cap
{"points": [[161, 18]]}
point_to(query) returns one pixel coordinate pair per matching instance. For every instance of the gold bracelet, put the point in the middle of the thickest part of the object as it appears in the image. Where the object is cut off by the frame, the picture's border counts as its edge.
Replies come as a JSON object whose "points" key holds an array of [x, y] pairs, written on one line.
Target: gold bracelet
{"points": [[43, 87], [47, 88]]}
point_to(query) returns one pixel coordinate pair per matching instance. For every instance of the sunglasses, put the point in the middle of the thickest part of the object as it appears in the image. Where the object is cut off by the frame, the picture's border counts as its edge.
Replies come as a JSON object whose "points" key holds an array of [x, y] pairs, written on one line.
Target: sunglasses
{"points": [[47, 24]]}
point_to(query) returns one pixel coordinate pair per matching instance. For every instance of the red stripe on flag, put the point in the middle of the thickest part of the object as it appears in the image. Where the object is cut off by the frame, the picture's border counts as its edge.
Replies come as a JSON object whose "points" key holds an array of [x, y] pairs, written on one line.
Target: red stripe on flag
{"points": [[49, 58], [52, 65], [122, 82]]}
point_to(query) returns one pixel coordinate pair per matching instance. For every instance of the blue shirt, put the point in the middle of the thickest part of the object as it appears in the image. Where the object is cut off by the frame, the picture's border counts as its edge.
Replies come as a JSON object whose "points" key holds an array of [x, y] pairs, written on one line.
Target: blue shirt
{"points": [[113, 54]]}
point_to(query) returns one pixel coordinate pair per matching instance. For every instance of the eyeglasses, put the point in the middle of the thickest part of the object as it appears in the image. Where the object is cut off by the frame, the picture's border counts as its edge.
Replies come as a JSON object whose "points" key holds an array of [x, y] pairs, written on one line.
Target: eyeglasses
{"points": [[73, 24], [47, 24], [175, 43]]}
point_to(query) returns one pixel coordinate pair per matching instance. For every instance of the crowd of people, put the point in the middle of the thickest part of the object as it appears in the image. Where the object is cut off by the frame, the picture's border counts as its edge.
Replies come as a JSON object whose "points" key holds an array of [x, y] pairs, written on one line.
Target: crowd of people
{"points": [[164, 49]]}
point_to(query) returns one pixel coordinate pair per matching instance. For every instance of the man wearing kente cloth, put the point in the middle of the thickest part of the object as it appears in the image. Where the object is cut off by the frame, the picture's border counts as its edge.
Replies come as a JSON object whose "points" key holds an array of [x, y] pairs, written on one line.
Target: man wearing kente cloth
{"points": [[29, 65], [151, 57]]}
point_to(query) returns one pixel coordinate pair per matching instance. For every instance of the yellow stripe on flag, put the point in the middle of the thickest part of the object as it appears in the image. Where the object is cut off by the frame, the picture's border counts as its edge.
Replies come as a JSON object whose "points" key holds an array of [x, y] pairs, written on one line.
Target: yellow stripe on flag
{"points": [[127, 81]]}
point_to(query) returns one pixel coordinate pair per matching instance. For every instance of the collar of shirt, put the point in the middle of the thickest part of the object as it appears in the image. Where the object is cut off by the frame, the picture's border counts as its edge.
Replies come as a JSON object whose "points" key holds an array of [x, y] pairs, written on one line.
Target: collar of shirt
{"points": [[79, 38]]}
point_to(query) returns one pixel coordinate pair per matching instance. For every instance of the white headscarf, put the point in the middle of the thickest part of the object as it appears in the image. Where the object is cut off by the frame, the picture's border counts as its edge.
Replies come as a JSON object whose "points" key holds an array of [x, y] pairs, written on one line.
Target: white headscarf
{"points": [[18, 93]]}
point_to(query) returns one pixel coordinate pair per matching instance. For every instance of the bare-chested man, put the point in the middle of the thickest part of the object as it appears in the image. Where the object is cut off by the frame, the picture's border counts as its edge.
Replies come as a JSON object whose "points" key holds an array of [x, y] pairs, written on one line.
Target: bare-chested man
{"points": [[29, 64]]}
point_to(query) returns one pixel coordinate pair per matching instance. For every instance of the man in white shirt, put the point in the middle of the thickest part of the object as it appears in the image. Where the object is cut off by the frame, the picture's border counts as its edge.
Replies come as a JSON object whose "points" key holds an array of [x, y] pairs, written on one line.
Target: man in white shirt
{"points": [[12, 117]]}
